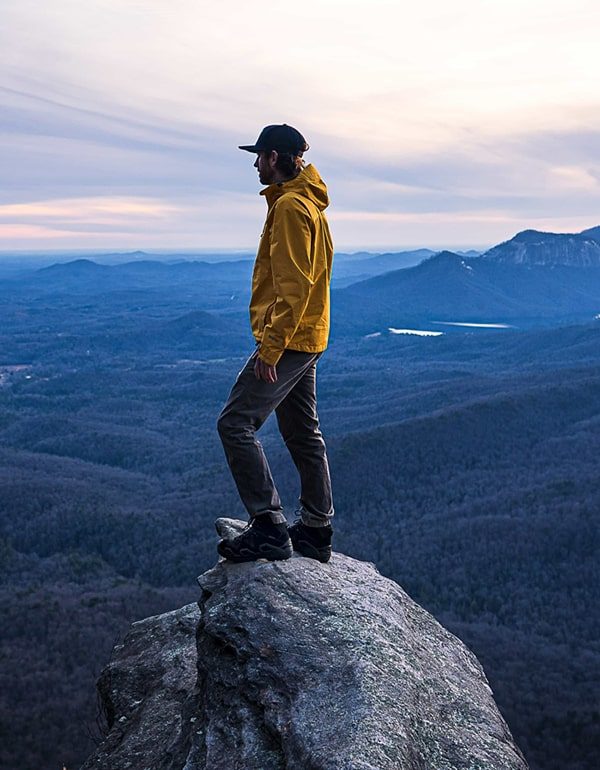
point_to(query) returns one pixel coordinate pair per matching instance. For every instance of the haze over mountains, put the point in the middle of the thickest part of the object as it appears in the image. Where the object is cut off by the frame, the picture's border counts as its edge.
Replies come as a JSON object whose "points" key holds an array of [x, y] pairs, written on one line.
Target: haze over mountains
{"points": [[509, 282], [465, 466]]}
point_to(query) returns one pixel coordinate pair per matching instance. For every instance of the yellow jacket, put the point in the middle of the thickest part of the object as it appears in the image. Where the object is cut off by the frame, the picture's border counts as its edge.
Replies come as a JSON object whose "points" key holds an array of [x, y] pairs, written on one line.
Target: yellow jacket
{"points": [[289, 307]]}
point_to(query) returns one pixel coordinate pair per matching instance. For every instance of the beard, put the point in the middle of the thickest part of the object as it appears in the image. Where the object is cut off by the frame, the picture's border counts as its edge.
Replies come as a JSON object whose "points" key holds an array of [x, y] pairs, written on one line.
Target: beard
{"points": [[267, 176]]}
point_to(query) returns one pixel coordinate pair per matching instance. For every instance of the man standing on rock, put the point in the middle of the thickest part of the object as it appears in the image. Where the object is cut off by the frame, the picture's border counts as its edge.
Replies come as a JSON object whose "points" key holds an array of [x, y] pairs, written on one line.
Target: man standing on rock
{"points": [[289, 315]]}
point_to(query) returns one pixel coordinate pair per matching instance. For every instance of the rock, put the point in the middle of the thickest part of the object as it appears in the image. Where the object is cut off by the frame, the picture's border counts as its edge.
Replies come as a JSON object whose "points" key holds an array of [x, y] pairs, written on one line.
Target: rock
{"points": [[532, 247], [228, 528], [300, 666], [144, 690]]}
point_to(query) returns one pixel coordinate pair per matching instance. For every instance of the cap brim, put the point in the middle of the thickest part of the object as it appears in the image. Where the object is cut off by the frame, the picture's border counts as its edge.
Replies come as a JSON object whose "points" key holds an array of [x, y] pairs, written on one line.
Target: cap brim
{"points": [[248, 147]]}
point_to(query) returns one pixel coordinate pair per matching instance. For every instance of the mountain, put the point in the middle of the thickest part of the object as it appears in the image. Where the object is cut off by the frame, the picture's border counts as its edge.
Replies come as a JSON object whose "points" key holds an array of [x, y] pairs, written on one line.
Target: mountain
{"points": [[592, 232], [375, 264], [449, 288], [469, 253], [84, 276], [430, 289], [291, 665], [533, 278], [532, 247], [351, 268]]}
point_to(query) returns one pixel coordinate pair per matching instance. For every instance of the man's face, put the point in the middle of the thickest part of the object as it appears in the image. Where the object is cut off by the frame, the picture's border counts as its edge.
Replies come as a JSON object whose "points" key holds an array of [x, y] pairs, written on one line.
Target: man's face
{"points": [[265, 163]]}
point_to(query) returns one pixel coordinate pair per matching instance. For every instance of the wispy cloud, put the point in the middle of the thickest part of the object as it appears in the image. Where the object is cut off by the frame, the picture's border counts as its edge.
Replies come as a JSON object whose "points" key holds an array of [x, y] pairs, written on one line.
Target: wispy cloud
{"points": [[431, 124]]}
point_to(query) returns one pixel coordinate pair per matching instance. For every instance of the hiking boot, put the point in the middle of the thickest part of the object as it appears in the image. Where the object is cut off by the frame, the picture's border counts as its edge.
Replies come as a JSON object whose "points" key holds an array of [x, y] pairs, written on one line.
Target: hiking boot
{"points": [[314, 542], [260, 540]]}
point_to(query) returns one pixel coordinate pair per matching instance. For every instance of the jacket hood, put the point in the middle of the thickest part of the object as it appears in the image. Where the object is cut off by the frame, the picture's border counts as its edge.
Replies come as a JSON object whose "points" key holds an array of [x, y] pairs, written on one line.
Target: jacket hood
{"points": [[308, 184]]}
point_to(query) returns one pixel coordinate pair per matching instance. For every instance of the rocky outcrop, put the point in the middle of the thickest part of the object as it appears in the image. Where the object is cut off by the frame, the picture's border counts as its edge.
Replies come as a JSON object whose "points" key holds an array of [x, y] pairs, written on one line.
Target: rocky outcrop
{"points": [[531, 247], [145, 690], [301, 666]]}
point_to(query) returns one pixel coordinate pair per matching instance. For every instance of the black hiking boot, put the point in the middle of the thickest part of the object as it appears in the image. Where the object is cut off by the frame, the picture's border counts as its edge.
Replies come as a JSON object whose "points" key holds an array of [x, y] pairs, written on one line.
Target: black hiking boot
{"points": [[260, 540], [314, 542]]}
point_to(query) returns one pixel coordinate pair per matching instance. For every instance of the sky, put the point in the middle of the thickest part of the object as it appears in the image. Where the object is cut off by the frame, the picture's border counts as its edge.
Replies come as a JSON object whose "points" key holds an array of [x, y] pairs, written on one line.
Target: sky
{"points": [[434, 124]]}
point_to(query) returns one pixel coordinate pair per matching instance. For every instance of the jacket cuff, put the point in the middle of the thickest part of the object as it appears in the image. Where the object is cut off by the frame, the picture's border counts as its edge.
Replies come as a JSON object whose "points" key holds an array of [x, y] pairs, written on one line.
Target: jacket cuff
{"points": [[269, 356]]}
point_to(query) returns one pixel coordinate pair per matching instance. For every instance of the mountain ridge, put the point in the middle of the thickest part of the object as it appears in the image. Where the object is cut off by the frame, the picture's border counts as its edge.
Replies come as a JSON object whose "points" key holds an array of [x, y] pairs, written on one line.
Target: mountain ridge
{"points": [[533, 278], [535, 247]]}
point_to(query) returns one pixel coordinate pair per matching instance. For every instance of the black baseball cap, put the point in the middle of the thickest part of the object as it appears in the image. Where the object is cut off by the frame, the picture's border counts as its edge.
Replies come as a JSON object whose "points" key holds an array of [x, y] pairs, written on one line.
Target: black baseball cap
{"points": [[282, 138]]}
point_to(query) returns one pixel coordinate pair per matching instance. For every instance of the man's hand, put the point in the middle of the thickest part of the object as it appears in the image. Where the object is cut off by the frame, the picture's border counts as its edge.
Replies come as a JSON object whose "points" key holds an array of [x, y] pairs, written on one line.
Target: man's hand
{"points": [[264, 371]]}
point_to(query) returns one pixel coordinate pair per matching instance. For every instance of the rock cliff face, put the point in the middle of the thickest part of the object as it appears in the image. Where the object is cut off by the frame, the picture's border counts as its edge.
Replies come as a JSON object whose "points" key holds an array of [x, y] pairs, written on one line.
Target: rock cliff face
{"points": [[297, 665], [531, 247]]}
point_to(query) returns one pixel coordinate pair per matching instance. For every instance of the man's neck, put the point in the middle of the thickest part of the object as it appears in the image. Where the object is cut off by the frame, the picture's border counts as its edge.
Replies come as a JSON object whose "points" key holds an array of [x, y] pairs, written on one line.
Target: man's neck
{"points": [[282, 180]]}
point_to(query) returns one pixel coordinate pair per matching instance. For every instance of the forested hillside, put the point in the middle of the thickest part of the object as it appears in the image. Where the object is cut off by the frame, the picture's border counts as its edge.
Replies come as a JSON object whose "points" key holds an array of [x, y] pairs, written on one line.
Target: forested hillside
{"points": [[464, 466]]}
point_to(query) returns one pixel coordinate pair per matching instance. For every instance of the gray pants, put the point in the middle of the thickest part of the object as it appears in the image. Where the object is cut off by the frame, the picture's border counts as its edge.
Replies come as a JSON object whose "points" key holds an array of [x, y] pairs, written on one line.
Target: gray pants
{"points": [[293, 397]]}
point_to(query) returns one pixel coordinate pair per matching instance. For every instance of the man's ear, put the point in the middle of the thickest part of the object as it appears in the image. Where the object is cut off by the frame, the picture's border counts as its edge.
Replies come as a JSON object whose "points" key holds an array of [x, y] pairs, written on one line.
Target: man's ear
{"points": [[273, 158]]}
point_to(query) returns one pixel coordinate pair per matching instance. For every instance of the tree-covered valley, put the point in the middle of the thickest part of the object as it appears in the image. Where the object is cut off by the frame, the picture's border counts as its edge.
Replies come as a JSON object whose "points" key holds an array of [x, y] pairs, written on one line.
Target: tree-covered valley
{"points": [[464, 465]]}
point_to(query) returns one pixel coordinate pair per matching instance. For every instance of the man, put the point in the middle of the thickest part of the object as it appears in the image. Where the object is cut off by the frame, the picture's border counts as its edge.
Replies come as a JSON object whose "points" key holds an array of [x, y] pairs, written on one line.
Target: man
{"points": [[289, 315]]}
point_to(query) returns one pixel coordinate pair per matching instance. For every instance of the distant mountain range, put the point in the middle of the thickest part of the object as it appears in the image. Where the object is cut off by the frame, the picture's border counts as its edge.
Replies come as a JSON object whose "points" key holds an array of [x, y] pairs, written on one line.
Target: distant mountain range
{"points": [[533, 278], [152, 284], [83, 275], [349, 268]]}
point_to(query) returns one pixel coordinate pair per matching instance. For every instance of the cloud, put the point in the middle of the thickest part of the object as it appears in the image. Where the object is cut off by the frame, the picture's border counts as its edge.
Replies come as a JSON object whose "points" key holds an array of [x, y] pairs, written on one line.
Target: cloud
{"points": [[450, 123], [121, 221]]}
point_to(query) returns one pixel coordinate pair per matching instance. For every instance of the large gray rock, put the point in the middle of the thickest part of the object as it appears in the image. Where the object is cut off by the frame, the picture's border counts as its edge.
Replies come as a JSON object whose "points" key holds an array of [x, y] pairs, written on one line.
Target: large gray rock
{"points": [[145, 689], [300, 666]]}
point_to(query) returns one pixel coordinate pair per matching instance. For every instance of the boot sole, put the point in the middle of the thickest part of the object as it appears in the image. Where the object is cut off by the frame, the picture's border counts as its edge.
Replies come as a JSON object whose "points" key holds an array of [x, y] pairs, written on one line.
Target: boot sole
{"points": [[268, 552], [307, 549]]}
